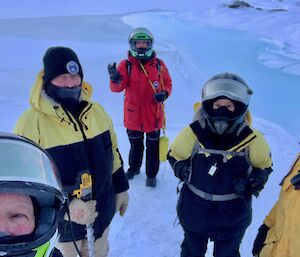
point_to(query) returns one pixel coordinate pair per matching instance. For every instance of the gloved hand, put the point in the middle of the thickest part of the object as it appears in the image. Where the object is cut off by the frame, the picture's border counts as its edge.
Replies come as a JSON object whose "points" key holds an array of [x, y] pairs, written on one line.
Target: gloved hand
{"points": [[161, 96], [114, 75], [241, 187], [182, 169], [122, 200], [260, 239], [257, 180], [253, 185], [81, 212]]}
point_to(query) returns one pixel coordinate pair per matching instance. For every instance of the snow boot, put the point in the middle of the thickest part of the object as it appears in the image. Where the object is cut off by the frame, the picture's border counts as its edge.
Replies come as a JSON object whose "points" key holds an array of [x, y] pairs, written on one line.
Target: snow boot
{"points": [[151, 182], [131, 173]]}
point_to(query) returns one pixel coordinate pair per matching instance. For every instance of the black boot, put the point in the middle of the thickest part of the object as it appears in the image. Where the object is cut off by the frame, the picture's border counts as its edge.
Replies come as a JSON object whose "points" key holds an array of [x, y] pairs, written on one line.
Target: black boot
{"points": [[131, 173], [151, 182]]}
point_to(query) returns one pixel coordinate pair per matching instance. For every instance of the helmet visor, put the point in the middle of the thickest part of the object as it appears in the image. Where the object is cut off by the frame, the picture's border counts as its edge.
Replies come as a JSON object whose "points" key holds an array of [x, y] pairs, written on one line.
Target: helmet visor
{"points": [[27, 169], [232, 89], [21, 161], [137, 44], [141, 49]]}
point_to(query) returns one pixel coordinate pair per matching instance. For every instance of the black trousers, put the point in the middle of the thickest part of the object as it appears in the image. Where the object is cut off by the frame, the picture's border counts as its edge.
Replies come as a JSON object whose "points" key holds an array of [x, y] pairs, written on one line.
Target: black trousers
{"points": [[195, 245], [136, 139]]}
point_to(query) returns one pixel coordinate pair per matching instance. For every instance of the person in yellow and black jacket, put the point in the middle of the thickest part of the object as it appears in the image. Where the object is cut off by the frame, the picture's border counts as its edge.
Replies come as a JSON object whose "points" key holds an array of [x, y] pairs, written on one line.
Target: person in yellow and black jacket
{"points": [[279, 235], [79, 136], [222, 162]]}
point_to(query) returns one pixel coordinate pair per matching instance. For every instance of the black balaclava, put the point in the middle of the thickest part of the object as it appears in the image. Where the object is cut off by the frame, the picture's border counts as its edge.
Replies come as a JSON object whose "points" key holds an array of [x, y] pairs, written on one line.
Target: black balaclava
{"points": [[222, 120], [67, 97]]}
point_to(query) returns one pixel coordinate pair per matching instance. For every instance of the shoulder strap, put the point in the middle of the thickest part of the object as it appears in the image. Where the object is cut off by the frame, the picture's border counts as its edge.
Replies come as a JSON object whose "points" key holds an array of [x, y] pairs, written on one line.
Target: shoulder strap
{"points": [[200, 148], [158, 65], [129, 65]]}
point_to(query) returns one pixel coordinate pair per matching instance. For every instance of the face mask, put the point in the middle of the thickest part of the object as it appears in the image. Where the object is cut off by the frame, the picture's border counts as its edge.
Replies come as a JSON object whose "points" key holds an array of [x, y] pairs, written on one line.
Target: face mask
{"points": [[223, 113], [67, 97], [60, 94], [220, 126], [220, 120]]}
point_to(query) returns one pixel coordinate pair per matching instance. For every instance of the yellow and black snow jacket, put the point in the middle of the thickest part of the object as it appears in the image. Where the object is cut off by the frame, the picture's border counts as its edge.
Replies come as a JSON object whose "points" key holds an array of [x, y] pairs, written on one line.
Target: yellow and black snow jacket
{"points": [[77, 144], [210, 202], [230, 164]]}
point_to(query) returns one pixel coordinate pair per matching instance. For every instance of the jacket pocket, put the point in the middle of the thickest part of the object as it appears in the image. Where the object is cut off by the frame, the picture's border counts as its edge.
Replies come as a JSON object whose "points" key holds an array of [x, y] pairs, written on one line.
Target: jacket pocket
{"points": [[132, 114]]}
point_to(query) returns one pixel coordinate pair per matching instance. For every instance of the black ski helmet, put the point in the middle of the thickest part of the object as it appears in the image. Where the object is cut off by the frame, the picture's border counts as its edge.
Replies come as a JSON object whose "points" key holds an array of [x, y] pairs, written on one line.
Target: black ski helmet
{"points": [[229, 86]]}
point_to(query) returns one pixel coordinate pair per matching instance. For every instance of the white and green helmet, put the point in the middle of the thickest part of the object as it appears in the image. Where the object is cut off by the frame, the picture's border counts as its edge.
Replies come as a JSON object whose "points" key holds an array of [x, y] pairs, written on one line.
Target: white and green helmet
{"points": [[27, 169], [141, 34]]}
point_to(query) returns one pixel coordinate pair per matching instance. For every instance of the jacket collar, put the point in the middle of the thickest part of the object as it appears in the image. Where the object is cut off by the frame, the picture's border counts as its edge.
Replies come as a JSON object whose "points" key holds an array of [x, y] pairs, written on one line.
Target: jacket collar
{"points": [[234, 143], [209, 140], [286, 181]]}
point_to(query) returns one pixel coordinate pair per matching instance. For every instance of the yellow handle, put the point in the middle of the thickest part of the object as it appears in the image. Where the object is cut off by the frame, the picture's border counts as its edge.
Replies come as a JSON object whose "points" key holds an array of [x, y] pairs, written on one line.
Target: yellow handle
{"points": [[85, 186]]}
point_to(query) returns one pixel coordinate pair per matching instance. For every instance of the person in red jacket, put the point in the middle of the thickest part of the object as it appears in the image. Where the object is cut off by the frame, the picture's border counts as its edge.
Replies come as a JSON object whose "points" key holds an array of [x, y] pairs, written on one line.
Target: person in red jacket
{"points": [[147, 84]]}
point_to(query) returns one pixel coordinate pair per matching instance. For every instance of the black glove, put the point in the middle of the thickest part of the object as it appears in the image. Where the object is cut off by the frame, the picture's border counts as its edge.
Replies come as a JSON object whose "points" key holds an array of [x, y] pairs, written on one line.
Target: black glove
{"points": [[182, 170], [241, 187], [253, 185], [161, 96], [259, 241], [114, 75], [257, 180]]}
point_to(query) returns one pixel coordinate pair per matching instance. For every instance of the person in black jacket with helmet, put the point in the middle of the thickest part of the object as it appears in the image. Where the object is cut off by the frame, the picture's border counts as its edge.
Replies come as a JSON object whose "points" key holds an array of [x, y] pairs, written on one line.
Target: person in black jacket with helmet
{"points": [[222, 162]]}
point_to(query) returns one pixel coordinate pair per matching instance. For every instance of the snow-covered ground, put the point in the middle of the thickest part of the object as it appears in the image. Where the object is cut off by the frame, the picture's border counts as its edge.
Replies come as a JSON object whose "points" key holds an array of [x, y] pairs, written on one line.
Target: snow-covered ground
{"points": [[196, 39]]}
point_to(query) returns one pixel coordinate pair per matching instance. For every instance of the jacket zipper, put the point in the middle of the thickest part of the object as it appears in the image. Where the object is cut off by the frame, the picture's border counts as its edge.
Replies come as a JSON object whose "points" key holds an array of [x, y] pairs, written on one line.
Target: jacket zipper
{"points": [[85, 140], [71, 119], [82, 114]]}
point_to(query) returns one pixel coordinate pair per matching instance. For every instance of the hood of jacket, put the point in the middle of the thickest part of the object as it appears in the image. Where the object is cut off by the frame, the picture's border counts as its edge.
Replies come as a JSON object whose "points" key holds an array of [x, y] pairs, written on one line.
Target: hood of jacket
{"points": [[294, 170]]}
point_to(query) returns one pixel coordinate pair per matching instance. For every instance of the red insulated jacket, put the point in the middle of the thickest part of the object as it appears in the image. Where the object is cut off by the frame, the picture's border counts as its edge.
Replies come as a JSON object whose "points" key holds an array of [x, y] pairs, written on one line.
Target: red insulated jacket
{"points": [[141, 111]]}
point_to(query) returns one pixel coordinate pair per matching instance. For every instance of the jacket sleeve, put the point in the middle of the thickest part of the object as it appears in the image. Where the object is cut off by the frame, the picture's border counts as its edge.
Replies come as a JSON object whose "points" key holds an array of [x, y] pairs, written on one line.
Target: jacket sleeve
{"points": [[120, 181], [27, 126], [259, 152], [182, 146], [167, 81], [122, 69]]}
